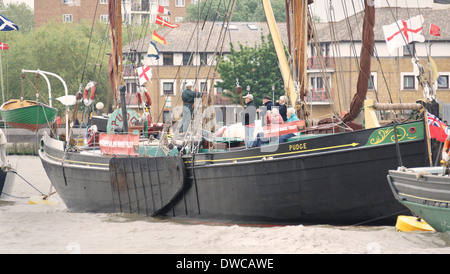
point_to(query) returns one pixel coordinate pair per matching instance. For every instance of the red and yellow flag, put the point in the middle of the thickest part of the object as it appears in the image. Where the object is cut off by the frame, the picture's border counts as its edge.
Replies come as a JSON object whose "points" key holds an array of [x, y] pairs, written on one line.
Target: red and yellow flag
{"points": [[158, 38]]}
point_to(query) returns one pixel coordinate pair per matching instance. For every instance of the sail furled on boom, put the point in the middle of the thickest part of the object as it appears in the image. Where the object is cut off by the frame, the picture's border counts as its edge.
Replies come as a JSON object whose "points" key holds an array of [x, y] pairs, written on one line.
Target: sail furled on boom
{"points": [[365, 59]]}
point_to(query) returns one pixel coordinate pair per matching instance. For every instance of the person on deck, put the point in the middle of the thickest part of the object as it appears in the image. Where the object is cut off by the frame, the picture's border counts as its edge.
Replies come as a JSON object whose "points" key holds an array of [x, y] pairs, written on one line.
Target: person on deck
{"points": [[267, 106], [273, 119], [283, 107], [248, 120], [290, 113], [188, 96]]}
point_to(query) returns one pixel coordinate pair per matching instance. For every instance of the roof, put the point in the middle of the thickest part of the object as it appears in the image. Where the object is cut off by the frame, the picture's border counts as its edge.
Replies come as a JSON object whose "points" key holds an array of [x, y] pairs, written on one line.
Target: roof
{"points": [[184, 38], [386, 16]]}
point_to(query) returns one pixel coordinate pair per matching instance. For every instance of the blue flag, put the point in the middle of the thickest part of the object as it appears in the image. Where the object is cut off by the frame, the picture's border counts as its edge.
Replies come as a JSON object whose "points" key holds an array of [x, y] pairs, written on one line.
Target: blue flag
{"points": [[6, 24]]}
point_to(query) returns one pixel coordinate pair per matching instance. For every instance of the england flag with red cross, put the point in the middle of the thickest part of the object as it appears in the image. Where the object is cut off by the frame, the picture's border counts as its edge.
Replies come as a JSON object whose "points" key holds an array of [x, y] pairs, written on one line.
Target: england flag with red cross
{"points": [[403, 32]]}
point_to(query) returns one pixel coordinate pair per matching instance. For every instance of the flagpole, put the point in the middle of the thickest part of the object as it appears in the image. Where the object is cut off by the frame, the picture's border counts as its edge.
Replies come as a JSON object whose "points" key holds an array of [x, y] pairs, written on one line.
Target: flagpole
{"points": [[1, 73]]}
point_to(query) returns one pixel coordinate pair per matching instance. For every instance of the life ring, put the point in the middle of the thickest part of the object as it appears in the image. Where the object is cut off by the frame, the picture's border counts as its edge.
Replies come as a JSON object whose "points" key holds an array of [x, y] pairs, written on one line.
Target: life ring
{"points": [[147, 96], [91, 86]]}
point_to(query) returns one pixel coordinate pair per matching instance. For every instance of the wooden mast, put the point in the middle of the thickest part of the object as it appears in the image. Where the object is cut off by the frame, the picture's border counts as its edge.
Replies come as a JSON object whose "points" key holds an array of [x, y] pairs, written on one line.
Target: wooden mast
{"points": [[115, 68], [284, 66], [296, 84]]}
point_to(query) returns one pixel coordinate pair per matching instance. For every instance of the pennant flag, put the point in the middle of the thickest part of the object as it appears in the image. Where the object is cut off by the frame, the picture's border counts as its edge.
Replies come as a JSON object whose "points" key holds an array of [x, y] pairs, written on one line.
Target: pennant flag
{"points": [[438, 129], [163, 10], [145, 74], [403, 32], [159, 38], [435, 30], [6, 24], [162, 22], [3, 46], [153, 51]]}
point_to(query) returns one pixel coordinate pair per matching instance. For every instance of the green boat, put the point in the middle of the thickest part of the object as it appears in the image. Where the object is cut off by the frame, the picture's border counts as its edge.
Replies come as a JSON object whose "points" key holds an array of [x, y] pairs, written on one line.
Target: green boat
{"points": [[33, 115], [27, 114], [425, 191]]}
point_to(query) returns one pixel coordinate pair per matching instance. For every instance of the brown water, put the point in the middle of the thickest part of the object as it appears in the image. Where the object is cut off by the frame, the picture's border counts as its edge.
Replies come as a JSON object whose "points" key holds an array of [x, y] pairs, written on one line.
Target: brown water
{"points": [[28, 228]]}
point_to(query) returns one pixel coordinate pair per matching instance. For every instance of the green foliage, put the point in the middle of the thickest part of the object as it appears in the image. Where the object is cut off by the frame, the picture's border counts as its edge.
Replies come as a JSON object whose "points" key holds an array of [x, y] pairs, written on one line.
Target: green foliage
{"points": [[256, 67], [245, 11], [61, 49]]}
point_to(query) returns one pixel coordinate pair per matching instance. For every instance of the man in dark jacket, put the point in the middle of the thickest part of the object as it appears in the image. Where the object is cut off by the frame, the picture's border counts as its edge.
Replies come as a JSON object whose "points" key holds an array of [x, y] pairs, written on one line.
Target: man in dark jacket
{"points": [[248, 119], [188, 96]]}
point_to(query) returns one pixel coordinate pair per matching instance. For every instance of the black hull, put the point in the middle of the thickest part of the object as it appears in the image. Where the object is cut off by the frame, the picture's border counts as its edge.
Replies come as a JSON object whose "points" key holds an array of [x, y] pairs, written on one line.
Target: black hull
{"points": [[333, 179]]}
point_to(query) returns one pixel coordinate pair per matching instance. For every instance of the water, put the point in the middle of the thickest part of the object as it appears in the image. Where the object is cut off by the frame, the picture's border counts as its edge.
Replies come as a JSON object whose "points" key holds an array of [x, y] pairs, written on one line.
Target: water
{"points": [[43, 229]]}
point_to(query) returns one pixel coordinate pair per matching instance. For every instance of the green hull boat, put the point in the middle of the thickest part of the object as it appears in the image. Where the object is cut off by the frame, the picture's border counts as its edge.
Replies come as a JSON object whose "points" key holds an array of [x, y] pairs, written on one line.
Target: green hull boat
{"points": [[28, 114], [424, 191]]}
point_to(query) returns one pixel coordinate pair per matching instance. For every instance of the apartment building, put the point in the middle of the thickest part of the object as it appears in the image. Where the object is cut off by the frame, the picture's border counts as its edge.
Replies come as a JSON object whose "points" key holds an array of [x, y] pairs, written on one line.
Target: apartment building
{"points": [[133, 11]]}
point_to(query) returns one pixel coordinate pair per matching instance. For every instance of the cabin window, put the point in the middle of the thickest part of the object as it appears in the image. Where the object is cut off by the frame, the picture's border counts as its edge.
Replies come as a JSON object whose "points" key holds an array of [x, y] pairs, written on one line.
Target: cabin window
{"points": [[168, 59], [442, 82], [409, 82]]}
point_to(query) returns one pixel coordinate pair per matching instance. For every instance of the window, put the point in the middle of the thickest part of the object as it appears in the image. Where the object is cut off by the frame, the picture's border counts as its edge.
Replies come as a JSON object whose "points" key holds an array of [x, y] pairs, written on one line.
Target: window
{"points": [[409, 82], [318, 90], [168, 59], [187, 59], [104, 18], [164, 2], [67, 1], [203, 58], [373, 81], [103, 1], [442, 82], [409, 50], [168, 88], [179, 3], [67, 18], [178, 19]]}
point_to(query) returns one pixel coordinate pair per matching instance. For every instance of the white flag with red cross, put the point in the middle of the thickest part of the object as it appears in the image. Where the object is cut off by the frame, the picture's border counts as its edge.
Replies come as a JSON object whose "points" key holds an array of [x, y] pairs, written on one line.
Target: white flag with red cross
{"points": [[403, 32], [145, 74]]}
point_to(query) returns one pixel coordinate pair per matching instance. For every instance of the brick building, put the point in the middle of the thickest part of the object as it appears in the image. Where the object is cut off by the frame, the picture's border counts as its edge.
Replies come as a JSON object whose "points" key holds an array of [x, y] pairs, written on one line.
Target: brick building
{"points": [[133, 11]]}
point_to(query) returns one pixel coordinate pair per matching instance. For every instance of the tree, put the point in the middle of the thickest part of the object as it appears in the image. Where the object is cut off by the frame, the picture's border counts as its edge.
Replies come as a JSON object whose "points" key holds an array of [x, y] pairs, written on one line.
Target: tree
{"points": [[245, 11], [21, 14], [61, 49], [256, 67]]}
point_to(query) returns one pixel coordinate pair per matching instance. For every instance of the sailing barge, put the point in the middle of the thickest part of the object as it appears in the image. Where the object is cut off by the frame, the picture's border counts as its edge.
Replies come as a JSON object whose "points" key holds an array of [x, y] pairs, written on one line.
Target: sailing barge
{"points": [[335, 177]]}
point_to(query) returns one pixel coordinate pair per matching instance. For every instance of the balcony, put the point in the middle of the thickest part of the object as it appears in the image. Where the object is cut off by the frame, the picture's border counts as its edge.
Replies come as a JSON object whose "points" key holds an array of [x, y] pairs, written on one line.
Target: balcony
{"points": [[140, 6], [315, 62], [319, 95]]}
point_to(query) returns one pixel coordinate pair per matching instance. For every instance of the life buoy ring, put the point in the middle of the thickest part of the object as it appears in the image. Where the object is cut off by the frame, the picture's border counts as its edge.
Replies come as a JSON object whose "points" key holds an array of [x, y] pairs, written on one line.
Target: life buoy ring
{"points": [[147, 96], [91, 86]]}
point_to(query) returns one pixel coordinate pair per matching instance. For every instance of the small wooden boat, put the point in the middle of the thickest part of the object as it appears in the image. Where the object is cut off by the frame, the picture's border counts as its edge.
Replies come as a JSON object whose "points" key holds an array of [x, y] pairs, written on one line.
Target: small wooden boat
{"points": [[426, 192], [28, 114]]}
